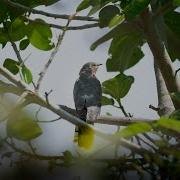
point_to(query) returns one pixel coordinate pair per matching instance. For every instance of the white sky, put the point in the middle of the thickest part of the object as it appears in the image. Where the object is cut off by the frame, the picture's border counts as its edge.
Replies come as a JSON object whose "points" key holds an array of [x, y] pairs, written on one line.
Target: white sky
{"points": [[74, 52]]}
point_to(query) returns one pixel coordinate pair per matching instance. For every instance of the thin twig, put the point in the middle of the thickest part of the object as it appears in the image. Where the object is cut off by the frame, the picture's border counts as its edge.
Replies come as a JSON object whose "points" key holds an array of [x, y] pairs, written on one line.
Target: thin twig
{"points": [[176, 72], [61, 16], [154, 108], [82, 27], [49, 121], [47, 95], [52, 56]]}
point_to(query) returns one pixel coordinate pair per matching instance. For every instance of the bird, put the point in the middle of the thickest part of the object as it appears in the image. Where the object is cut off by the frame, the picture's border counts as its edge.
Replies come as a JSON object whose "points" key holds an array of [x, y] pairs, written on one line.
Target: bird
{"points": [[87, 95]]}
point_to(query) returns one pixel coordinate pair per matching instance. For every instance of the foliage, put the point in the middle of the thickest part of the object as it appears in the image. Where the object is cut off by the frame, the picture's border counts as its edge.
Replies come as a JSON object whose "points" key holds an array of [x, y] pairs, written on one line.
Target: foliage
{"points": [[158, 156]]}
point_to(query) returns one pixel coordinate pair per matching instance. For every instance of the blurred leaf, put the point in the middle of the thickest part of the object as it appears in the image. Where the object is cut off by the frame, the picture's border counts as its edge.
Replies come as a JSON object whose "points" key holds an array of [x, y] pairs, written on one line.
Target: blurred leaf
{"points": [[125, 53], [176, 2], [83, 5], [3, 36], [172, 19], [118, 86], [169, 124], [106, 101], [175, 96], [134, 129], [68, 157], [23, 127], [40, 35], [173, 42], [116, 20], [27, 75], [175, 115], [24, 44], [11, 65], [94, 10], [135, 7], [107, 14]]}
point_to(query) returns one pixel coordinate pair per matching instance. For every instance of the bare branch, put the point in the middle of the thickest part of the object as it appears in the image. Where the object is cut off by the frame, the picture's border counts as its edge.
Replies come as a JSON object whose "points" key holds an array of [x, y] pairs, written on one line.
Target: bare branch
{"points": [[25, 153], [52, 56], [61, 16], [82, 27]]}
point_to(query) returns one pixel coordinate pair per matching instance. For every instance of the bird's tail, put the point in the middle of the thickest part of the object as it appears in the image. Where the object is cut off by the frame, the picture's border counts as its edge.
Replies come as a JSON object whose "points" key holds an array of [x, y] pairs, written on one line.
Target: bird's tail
{"points": [[84, 137]]}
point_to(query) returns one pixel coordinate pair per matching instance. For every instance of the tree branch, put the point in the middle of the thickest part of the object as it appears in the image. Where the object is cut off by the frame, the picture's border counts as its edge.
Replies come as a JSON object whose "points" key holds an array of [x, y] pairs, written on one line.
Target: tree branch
{"points": [[11, 78], [52, 56], [61, 16], [32, 97], [85, 26]]}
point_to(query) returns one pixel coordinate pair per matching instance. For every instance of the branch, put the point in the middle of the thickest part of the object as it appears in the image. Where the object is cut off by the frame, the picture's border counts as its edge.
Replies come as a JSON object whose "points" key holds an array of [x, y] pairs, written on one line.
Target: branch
{"points": [[33, 97], [11, 78], [86, 26], [61, 16], [33, 156], [52, 56]]}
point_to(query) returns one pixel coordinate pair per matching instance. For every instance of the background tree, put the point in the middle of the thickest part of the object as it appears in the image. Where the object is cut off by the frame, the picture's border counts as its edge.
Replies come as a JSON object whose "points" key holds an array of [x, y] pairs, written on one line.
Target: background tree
{"points": [[132, 23]]}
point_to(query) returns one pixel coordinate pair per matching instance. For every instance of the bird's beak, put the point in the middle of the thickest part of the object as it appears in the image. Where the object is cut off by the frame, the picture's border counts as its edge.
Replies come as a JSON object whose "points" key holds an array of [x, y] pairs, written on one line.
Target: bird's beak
{"points": [[99, 64]]}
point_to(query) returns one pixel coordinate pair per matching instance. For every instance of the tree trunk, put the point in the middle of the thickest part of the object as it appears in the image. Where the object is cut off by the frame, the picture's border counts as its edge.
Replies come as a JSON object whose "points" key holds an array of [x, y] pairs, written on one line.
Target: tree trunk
{"points": [[160, 54], [165, 104]]}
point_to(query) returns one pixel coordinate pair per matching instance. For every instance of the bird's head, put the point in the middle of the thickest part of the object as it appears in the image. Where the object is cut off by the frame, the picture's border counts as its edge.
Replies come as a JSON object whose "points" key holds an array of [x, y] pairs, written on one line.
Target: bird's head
{"points": [[89, 68]]}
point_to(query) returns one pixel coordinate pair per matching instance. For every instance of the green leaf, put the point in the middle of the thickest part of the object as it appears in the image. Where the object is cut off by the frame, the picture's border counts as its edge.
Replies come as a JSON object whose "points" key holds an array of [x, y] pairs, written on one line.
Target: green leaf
{"points": [[135, 7], [176, 2], [175, 96], [107, 14], [170, 124], [106, 101], [172, 20], [120, 30], [116, 20], [83, 5], [27, 75], [134, 129], [11, 65], [173, 42], [175, 115], [23, 128], [17, 30], [3, 36], [125, 52], [24, 44], [39, 34], [118, 86], [94, 10]]}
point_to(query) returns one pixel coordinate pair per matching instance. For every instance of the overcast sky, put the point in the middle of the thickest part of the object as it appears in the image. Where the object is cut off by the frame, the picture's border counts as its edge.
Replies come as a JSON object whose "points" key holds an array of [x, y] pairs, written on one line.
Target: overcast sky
{"points": [[62, 74]]}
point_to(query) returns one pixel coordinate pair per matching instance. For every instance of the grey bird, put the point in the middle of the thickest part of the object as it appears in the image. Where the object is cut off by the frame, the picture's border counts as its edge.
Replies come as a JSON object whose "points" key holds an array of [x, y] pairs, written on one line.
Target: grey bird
{"points": [[87, 95]]}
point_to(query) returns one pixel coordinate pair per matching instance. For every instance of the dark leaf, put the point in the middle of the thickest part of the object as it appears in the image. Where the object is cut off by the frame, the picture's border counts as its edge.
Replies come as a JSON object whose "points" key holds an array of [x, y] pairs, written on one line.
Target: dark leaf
{"points": [[24, 44], [135, 7], [11, 65], [107, 14], [106, 101]]}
